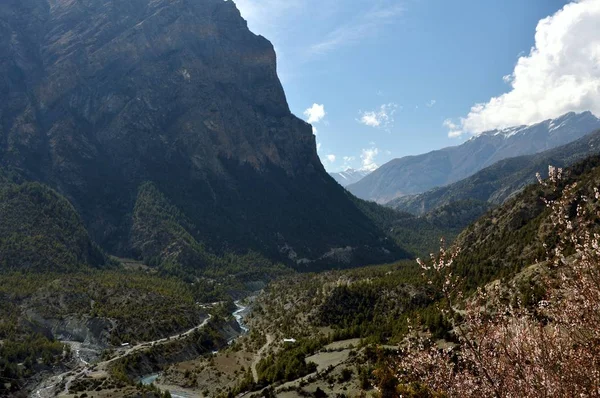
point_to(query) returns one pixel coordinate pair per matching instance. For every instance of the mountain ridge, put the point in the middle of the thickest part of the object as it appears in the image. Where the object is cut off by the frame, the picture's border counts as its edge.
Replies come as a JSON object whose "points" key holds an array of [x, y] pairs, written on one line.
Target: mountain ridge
{"points": [[515, 234], [350, 176], [179, 94], [41, 231], [501, 181], [416, 174]]}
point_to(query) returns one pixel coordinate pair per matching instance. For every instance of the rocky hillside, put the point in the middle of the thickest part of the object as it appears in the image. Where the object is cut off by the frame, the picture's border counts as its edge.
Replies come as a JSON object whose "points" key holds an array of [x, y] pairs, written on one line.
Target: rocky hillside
{"points": [[513, 235], [416, 174], [494, 184], [41, 231], [420, 235], [100, 97]]}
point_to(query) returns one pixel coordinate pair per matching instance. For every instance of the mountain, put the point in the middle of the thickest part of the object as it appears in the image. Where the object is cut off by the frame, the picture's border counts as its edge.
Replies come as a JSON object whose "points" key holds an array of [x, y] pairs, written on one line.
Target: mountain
{"points": [[349, 176], [512, 236], [41, 231], [417, 174], [165, 120], [499, 182], [420, 235]]}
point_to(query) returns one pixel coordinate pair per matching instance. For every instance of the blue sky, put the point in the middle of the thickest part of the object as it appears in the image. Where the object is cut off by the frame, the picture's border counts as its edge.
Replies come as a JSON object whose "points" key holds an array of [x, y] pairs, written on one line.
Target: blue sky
{"points": [[382, 79]]}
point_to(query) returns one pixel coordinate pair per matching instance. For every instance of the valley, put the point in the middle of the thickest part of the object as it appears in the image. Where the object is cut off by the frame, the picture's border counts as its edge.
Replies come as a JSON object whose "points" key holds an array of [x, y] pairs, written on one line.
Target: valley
{"points": [[265, 326], [137, 330], [280, 320], [100, 369], [169, 227]]}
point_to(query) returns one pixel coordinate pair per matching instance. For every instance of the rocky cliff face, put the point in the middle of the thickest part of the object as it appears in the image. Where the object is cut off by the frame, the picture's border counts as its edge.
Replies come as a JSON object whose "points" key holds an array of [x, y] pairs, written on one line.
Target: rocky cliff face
{"points": [[101, 96]]}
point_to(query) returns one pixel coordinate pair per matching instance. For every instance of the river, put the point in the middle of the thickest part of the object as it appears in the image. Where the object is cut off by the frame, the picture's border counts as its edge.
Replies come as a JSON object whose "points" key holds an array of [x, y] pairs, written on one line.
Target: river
{"points": [[239, 314], [47, 387]]}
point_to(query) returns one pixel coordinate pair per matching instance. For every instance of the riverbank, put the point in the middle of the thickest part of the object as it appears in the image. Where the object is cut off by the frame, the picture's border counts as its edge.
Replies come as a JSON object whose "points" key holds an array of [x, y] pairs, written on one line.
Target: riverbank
{"points": [[58, 385], [180, 386], [240, 314]]}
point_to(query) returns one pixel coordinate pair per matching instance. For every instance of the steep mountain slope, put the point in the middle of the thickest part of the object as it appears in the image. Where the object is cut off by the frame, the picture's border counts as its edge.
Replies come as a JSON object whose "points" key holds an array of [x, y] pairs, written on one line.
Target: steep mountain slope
{"points": [[41, 231], [502, 180], [512, 235], [416, 174], [349, 176], [100, 97], [421, 235]]}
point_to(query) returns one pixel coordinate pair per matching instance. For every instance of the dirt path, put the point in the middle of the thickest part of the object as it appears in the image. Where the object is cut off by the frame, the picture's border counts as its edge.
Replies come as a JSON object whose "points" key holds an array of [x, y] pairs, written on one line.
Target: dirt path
{"points": [[148, 344], [47, 388], [258, 356]]}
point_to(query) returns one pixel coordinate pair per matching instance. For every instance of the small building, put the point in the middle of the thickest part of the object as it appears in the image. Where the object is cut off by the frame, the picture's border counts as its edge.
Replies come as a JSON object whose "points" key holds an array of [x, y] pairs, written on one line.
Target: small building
{"points": [[289, 341]]}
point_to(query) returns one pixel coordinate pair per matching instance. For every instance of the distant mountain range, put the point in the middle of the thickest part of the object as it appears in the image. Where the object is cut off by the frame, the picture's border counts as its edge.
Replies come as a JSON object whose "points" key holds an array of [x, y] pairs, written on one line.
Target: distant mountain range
{"points": [[501, 181], [350, 176], [417, 174]]}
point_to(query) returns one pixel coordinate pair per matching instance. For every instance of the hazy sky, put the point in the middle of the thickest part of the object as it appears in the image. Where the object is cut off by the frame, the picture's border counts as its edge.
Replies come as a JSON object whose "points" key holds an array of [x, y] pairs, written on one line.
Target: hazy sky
{"points": [[381, 79]]}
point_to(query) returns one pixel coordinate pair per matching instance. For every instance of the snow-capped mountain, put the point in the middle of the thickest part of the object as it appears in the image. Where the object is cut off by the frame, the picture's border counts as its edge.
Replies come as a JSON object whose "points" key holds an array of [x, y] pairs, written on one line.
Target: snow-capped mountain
{"points": [[416, 174], [350, 176]]}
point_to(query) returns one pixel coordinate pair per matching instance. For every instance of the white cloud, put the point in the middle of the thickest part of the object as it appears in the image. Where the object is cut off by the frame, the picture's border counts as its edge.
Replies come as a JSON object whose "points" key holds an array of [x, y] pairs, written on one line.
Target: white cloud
{"points": [[331, 158], [370, 119], [431, 103], [358, 28], [348, 160], [367, 158], [315, 131], [454, 130], [560, 74], [318, 146], [315, 113], [381, 118]]}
